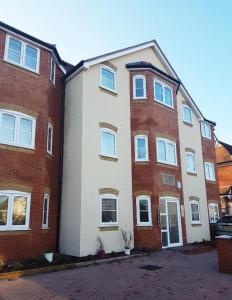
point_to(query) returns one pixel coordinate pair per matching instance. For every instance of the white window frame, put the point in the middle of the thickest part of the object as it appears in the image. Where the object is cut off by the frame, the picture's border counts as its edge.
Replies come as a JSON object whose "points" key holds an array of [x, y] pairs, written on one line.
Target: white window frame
{"points": [[166, 141], [194, 161], [199, 211], [212, 204], [208, 165], [108, 224], [11, 194], [50, 127], [19, 116], [143, 77], [138, 199], [191, 114], [205, 125], [163, 85], [113, 72], [45, 224], [106, 130], [53, 80], [145, 137], [23, 51]]}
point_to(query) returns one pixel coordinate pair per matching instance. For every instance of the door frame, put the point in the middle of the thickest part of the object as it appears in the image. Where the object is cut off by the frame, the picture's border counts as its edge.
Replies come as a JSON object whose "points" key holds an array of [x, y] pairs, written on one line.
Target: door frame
{"points": [[177, 201]]}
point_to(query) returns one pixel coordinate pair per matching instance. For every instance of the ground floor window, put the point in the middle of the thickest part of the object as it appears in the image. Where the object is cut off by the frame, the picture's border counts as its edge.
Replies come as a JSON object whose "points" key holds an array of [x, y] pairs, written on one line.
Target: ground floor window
{"points": [[213, 213], [45, 211], [14, 210], [109, 209], [195, 212], [143, 204]]}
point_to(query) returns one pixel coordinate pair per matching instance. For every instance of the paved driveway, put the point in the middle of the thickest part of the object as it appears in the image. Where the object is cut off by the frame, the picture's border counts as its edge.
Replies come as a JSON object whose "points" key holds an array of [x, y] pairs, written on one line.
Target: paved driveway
{"points": [[181, 277]]}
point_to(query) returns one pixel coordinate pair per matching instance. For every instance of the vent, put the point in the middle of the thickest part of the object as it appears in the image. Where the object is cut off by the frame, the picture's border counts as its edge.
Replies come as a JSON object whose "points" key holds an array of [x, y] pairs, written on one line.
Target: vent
{"points": [[150, 267]]}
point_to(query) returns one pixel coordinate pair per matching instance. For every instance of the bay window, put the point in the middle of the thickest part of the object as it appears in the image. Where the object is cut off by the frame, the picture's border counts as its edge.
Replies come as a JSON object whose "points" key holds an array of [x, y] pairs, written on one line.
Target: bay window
{"points": [[166, 151], [139, 87], [141, 148], [209, 171], [163, 94]]}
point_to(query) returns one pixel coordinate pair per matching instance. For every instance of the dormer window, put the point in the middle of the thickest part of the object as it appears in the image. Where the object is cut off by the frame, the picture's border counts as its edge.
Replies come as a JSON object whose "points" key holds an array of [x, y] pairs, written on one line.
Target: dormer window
{"points": [[139, 87], [107, 80], [205, 130], [163, 94], [22, 54]]}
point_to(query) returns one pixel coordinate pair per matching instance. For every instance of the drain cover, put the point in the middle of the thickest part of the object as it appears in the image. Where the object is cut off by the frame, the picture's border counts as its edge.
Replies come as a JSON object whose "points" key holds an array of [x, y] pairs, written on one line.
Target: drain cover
{"points": [[150, 267]]}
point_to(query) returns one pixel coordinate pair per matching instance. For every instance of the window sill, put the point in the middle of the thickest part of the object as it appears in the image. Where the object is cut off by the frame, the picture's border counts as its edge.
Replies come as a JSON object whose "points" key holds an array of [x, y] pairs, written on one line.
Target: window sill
{"points": [[108, 228], [109, 158], [192, 173], [16, 148], [196, 224], [142, 98], [188, 124], [210, 181], [165, 105], [21, 67], [206, 139], [145, 225], [9, 231], [167, 164], [110, 92], [108, 225]]}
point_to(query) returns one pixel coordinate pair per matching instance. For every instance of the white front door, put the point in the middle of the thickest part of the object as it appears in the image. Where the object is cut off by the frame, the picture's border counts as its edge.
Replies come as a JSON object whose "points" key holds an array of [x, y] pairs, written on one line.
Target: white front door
{"points": [[171, 231]]}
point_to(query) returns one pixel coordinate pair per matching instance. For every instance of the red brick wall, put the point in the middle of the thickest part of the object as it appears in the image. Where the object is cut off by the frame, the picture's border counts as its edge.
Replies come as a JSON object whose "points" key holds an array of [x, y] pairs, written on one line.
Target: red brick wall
{"points": [[224, 250], [33, 169], [158, 120]]}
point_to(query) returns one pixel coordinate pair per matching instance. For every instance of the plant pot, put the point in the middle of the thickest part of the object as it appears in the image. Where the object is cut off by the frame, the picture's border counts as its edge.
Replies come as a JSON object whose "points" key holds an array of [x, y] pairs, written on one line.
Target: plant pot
{"points": [[101, 254], [49, 256], [127, 251]]}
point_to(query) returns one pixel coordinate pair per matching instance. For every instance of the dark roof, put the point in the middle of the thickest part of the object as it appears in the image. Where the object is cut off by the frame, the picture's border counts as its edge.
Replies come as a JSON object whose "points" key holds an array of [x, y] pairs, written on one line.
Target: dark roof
{"points": [[146, 65], [227, 147], [35, 40], [211, 122], [225, 190]]}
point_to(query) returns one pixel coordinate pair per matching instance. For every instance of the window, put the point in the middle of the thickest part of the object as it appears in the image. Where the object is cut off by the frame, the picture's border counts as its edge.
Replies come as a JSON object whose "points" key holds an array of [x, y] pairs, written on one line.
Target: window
{"points": [[139, 87], [213, 213], [187, 114], [45, 211], [108, 142], [109, 210], [143, 204], [166, 151], [14, 210], [141, 148], [108, 78], [191, 164], [163, 94], [50, 138], [195, 212], [17, 129], [22, 54], [53, 72], [209, 171], [205, 130]]}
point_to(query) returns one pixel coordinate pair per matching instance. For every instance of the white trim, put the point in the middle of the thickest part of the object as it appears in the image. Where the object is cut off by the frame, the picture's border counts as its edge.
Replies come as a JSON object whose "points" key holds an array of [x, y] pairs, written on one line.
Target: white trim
{"points": [[51, 128], [148, 199], [106, 130], [45, 225], [23, 51], [143, 77], [53, 80], [114, 74], [107, 224], [11, 194], [207, 166], [194, 162], [145, 137], [18, 116], [163, 85], [166, 141], [191, 115], [205, 125], [199, 211], [213, 205]]}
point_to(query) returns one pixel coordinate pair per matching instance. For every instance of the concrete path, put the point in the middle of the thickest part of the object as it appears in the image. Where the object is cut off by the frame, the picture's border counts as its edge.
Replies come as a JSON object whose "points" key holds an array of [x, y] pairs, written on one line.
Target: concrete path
{"points": [[181, 277]]}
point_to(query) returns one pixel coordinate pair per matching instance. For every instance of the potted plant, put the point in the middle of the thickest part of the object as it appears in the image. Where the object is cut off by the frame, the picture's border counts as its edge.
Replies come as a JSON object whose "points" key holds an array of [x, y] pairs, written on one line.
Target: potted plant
{"points": [[127, 238], [100, 250]]}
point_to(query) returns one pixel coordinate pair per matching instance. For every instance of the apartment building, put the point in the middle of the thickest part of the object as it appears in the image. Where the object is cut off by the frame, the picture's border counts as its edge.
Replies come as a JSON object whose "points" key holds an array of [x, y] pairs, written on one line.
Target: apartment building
{"points": [[30, 138]]}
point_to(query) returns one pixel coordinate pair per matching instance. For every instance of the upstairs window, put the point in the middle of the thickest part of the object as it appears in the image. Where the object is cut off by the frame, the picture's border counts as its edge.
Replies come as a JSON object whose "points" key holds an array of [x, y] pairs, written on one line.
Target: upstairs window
{"points": [[213, 213], [17, 129], [141, 148], [22, 54], [139, 87], [191, 164], [187, 114], [108, 210], [163, 94], [195, 212], [166, 151], [108, 142], [205, 130], [53, 72], [107, 78], [209, 171], [50, 138], [45, 211], [143, 207]]}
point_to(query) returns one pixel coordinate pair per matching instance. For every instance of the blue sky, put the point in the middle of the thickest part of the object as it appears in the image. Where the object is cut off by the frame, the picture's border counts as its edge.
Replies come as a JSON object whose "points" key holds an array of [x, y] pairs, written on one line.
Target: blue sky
{"points": [[196, 36]]}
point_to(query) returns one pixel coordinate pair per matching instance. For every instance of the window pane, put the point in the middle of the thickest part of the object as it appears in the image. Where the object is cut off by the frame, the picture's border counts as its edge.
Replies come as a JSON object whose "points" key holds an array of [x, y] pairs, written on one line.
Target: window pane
{"points": [[190, 163], [139, 90], [7, 129], [144, 216], [158, 92], [3, 209], [143, 205], [108, 144], [168, 96], [109, 216], [195, 212], [161, 151], [211, 172], [30, 57], [162, 206], [141, 148], [108, 79], [52, 76], [171, 157], [164, 239], [25, 132], [108, 204], [49, 142], [14, 51], [207, 131], [19, 210], [109, 210], [187, 115]]}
